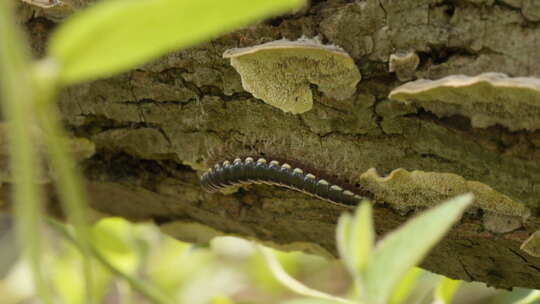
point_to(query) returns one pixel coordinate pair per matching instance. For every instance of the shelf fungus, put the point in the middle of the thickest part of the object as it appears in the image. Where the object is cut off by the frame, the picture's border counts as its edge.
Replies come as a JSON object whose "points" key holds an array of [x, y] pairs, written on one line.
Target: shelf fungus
{"points": [[404, 64], [487, 99], [406, 191], [281, 72]]}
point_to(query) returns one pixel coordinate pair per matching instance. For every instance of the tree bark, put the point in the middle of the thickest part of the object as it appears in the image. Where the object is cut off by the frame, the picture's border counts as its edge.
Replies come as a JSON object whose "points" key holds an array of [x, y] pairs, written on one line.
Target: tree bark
{"points": [[157, 128]]}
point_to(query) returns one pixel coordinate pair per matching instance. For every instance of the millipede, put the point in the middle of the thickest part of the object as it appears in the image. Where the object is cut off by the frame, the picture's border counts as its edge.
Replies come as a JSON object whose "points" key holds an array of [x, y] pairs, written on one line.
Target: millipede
{"points": [[261, 171]]}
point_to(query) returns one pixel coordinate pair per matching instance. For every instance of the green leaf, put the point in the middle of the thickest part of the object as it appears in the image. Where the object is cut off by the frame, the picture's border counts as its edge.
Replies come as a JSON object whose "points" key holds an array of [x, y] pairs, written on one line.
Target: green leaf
{"points": [[172, 265], [114, 239], [445, 290], [291, 283], [531, 298], [362, 236], [311, 301], [262, 275], [116, 35], [406, 286], [68, 282], [221, 300], [355, 237], [343, 232], [406, 246]]}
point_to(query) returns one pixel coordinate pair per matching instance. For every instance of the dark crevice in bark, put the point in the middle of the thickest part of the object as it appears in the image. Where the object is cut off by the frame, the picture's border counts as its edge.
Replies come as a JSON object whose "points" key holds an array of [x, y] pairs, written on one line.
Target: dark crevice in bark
{"points": [[122, 166], [438, 55], [519, 255], [471, 278]]}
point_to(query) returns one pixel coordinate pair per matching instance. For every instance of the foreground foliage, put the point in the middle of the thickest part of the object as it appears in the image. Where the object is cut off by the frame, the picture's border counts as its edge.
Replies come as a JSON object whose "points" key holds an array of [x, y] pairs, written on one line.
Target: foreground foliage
{"points": [[229, 270]]}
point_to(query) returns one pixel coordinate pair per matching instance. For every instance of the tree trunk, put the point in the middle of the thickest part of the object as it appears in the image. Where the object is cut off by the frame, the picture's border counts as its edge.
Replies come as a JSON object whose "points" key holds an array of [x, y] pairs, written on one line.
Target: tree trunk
{"points": [[159, 127]]}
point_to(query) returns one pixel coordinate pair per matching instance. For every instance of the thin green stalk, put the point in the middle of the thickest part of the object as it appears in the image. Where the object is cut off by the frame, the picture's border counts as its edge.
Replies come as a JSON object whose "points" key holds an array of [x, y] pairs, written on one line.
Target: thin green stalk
{"points": [[67, 177], [146, 289], [17, 106]]}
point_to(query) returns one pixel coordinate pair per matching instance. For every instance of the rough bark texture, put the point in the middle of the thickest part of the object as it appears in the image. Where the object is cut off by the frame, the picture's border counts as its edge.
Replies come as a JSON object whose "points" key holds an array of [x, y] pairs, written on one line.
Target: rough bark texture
{"points": [[158, 127]]}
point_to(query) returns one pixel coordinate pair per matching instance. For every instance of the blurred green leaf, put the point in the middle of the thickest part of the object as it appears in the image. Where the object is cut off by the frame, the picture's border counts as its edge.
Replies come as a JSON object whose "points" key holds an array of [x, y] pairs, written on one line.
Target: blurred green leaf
{"points": [[113, 238], [172, 264], [532, 298], [67, 279], [445, 290], [362, 236], [516, 296], [311, 301], [148, 289], [343, 235], [221, 300], [264, 277], [291, 283], [405, 286], [405, 247], [116, 35], [355, 237]]}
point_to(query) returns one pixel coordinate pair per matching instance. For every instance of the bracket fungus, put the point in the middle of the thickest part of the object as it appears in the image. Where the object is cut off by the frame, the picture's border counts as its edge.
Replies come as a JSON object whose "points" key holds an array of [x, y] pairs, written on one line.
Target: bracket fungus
{"points": [[280, 72], [487, 99], [404, 64], [406, 190]]}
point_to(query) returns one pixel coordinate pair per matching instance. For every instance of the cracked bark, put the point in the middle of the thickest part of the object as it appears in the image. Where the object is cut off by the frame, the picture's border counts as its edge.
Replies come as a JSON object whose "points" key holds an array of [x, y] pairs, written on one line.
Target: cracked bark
{"points": [[157, 127]]}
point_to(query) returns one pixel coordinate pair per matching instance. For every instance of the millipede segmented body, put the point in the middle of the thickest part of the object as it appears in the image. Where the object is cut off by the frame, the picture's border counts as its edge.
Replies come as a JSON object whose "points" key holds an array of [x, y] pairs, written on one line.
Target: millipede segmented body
{"points": [[248, 171]]}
